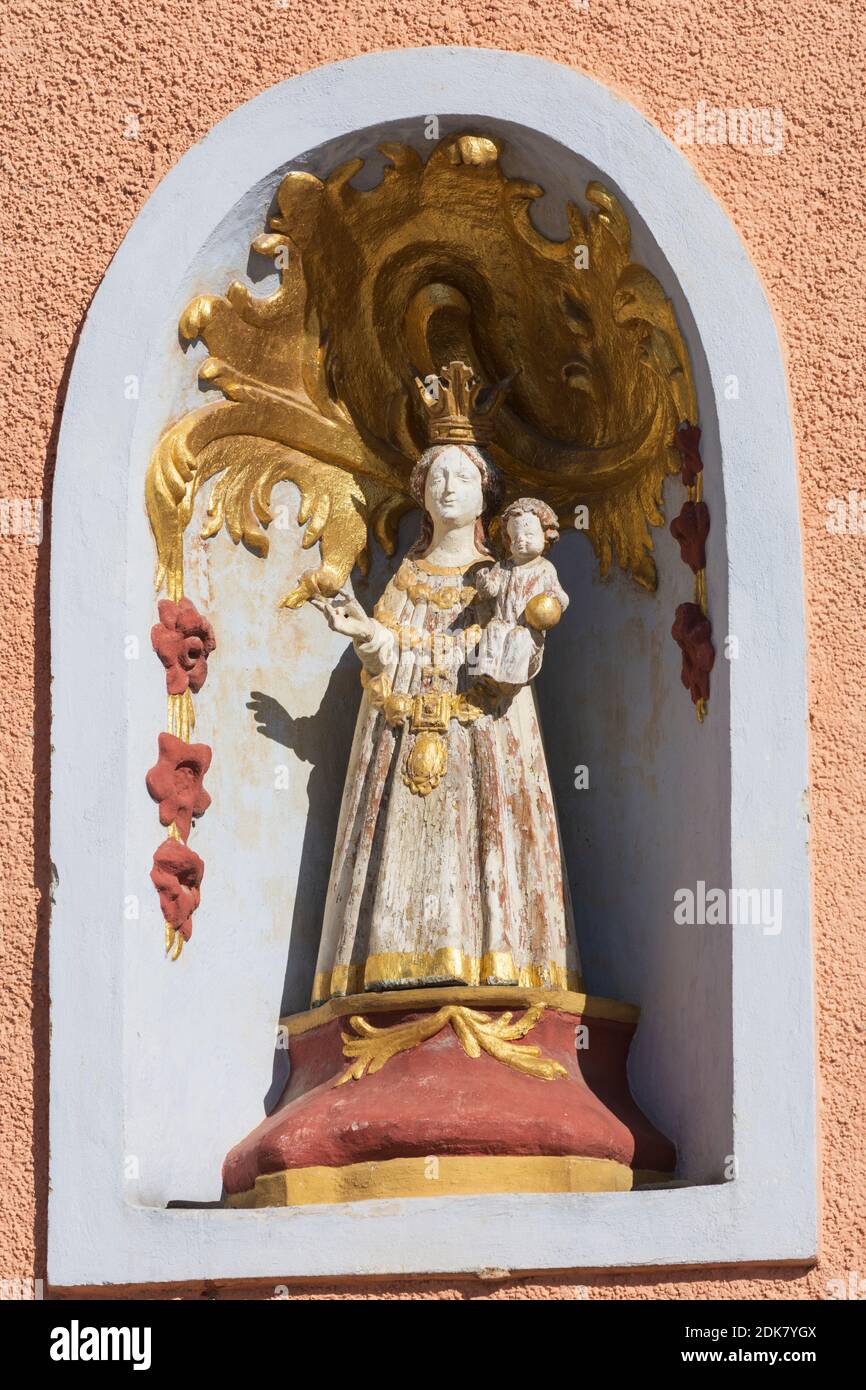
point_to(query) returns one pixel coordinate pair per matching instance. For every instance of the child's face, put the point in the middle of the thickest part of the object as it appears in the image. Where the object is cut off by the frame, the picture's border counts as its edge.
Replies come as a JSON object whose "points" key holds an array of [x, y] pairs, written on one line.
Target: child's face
{"points": [[525, 537]]}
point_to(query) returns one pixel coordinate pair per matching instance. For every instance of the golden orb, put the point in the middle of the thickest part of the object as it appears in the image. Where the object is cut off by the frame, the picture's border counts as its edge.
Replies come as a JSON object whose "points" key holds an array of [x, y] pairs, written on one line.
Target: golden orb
{"points": [[543, 612]]}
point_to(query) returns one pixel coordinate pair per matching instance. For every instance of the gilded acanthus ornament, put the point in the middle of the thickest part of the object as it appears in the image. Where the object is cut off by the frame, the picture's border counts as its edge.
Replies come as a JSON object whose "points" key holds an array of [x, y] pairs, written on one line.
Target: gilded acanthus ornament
{"points": [[440, 261], [476, 1032]]}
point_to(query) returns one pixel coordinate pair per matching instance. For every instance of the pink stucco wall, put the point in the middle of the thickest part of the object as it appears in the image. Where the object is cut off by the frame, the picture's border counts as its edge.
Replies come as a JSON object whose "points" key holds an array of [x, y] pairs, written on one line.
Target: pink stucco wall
{"points": [[75, 180]]}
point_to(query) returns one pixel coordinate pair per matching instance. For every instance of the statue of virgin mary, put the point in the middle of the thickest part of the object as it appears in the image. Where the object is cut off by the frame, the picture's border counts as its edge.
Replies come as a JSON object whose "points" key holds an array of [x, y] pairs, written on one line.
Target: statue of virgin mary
{"points": [[448, 865], [448, 872]]}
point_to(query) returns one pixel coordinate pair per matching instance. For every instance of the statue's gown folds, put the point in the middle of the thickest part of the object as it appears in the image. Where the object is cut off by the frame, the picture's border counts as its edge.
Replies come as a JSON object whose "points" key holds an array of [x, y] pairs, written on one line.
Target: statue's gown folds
{"points": [[464, 884]]}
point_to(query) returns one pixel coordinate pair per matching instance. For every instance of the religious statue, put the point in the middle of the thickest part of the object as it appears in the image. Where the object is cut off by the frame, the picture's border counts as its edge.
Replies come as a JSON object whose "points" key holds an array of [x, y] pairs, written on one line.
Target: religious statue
{"points": [[447, 882], [447, 868]]}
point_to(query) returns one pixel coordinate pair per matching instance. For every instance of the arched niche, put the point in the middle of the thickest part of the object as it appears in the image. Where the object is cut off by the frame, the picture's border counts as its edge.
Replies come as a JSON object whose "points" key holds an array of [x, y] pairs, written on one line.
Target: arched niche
{"points": [[155, 1067]]}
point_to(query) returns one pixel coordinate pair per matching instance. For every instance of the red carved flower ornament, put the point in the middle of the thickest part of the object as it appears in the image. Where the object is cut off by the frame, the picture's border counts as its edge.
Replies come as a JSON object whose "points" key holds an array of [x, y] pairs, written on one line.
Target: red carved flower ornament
{"points": [[176, 781], [692, 632], [691, 529], [177, 874], [183, 640], [687, 441]]}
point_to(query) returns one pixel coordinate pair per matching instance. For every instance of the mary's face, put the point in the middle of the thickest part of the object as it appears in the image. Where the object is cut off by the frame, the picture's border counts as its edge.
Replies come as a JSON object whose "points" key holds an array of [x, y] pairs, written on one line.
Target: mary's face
{"points": [[453, 492]]}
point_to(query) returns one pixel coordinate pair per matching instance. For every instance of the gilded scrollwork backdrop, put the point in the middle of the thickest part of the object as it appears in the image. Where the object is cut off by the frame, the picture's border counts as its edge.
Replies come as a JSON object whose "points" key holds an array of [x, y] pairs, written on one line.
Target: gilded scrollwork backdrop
{"points": [[440, 261]]}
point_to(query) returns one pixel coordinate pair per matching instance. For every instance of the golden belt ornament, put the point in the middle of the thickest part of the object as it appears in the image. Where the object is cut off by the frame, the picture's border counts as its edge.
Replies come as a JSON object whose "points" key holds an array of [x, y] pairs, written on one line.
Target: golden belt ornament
{"points": [[428, 716]]}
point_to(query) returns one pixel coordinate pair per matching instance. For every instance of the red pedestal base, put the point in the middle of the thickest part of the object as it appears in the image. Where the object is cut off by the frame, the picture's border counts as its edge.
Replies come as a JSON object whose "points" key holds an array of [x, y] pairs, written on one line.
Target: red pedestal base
{"points": [[435, 1118]]}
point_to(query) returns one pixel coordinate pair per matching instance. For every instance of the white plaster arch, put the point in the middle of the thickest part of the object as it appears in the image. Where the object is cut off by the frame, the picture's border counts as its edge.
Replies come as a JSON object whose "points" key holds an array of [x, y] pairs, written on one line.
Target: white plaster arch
{"points": [[100, 1228]]}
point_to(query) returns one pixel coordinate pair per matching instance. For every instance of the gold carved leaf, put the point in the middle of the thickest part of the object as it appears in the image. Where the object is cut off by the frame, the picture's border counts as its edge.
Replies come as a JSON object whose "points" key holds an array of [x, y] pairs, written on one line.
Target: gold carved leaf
{"points": [[476, 1032], [439, 261]]}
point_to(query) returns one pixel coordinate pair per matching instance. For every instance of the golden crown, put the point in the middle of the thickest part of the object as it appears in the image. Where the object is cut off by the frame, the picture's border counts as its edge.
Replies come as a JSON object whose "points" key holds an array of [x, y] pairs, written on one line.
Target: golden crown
{"points": [[460, 409]]}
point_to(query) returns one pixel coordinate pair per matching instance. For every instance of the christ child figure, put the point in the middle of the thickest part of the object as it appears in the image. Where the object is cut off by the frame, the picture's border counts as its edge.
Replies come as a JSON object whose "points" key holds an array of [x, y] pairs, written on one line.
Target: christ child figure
{"points": [[525, 593]]}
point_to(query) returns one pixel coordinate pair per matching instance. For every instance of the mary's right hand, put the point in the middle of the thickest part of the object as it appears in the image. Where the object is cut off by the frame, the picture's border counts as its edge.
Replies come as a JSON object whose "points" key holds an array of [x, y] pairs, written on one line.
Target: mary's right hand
{"points": [[346, 616]]}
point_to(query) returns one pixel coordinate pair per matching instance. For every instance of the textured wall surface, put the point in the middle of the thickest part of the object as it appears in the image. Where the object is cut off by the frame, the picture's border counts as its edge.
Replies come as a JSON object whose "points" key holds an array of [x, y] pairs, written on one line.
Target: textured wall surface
{"points": [[102, 98]]}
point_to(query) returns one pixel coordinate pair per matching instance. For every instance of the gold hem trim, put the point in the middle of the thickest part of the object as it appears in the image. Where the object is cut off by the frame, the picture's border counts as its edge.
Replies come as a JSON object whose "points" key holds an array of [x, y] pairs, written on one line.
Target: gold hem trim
{"points": [[447, 1176], [401, 969], [483, 996]]}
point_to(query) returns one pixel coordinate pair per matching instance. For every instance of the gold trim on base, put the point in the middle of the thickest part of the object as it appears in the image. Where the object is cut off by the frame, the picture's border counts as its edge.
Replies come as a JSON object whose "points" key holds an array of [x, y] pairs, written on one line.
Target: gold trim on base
{"points": [[482, 996], [476, 1032], [441, 1177]]}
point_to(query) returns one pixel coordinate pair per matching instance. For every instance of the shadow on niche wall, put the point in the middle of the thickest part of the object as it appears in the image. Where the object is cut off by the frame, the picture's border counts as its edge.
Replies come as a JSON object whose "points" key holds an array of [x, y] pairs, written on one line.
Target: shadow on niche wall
{"points": [[323, 740]]}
